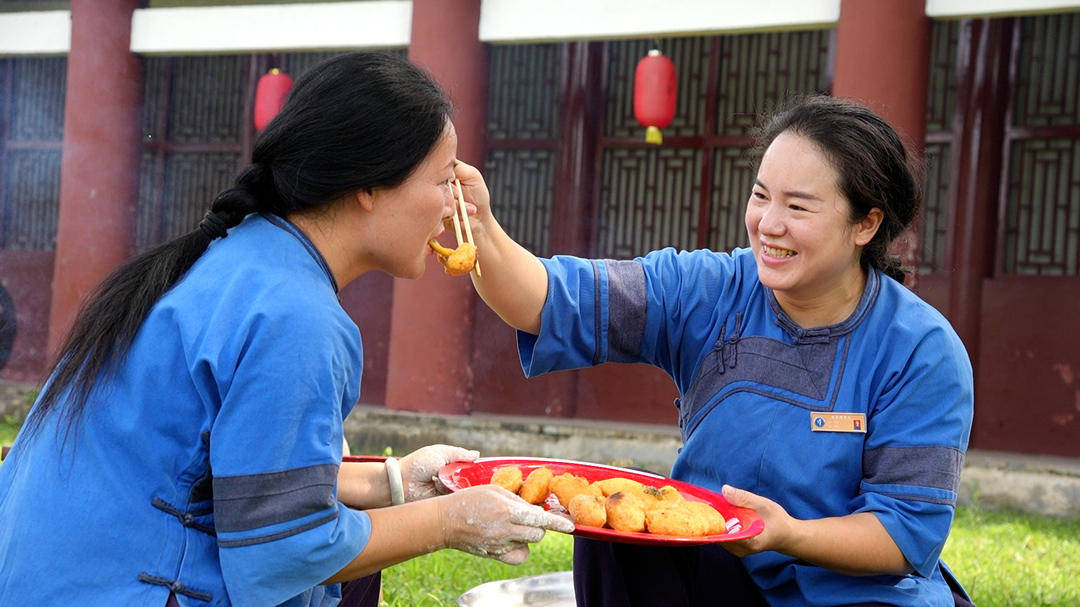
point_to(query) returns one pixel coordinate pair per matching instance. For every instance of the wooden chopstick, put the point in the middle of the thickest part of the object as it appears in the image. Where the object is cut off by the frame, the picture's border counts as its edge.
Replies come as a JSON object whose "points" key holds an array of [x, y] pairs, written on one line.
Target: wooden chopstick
{"points": [[465, 220], [457, 222]]}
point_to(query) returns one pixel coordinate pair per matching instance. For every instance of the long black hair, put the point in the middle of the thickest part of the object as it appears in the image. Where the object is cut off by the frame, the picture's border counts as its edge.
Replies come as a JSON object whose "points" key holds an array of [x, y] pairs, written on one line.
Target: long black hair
{"points": [[869, 157], [354, 122]]}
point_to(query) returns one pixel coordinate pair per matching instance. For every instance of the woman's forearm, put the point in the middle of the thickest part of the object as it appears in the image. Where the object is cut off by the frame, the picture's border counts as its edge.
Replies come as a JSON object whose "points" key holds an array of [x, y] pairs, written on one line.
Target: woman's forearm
{"points": [[514, 282], [397, 534], [363, 485], [856, 544]]}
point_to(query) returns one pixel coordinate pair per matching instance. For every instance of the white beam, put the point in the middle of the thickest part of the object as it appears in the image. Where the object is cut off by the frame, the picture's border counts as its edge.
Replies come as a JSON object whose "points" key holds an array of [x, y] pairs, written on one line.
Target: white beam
{"points": [[550, 20], [947, 9], [272, 27], [35, 33]]}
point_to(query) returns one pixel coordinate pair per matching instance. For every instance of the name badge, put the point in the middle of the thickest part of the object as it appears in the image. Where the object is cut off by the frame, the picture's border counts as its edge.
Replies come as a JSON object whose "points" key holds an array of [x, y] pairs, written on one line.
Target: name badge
{"points": [[838, 422]]}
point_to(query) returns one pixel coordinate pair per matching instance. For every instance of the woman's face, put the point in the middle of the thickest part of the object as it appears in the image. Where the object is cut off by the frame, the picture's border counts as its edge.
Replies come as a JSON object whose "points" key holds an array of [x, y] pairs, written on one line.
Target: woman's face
{"points": [[799, 224], [412, 212]]}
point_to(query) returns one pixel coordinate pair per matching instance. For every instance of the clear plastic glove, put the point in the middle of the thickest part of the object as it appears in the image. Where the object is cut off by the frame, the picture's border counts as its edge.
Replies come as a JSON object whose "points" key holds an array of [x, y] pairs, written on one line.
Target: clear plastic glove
{"points": [[490, 521], [420, 468]]}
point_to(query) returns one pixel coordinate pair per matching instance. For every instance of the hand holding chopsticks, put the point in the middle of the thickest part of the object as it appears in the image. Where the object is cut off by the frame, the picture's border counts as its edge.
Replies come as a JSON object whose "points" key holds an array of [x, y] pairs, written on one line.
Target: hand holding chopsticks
{"points": [[462, 260], [465, 220]]}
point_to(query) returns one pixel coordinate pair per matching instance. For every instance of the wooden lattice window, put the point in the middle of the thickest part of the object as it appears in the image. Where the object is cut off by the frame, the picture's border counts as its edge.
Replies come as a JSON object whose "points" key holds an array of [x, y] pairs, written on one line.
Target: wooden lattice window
{"points": [[940, 146], [1041, 196], [197, 133], [32, 93], [692, 191], [522, 138]]}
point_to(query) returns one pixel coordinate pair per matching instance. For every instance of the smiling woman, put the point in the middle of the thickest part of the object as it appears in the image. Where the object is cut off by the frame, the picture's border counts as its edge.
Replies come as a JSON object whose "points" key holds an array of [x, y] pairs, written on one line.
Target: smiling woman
{"points": [[840, 401]]}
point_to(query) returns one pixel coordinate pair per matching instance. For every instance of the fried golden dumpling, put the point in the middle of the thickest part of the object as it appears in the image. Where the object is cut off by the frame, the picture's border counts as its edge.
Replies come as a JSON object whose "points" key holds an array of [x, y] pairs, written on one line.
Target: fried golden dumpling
{"points": [[536, 487], [611, 486], [507, 477], [588, 510], [625, 512]]}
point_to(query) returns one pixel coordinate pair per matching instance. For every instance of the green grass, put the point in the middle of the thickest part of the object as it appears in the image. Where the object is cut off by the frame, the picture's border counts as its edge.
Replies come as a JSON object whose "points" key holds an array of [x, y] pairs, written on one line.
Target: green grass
{"points": [[438, 579], [1004, 559], [8, 431]]}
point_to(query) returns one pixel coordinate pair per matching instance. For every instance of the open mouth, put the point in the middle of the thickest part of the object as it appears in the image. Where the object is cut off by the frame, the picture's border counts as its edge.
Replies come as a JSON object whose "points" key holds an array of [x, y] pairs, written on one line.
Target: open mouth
{"points": [[777, 252]]}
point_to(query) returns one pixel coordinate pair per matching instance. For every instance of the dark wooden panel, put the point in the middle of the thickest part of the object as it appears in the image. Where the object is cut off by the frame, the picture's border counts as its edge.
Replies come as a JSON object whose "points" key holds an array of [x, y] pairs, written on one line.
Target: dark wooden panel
{"points": [[1048, 81], [498, 384], [31, 139], [520, 183], [1042, 222], [939, 149], [38, 89], [648, 200], [759, 71], [1027, 397], [27, 276], [733, 179], [189, 181], [942, 76], [523, 98], [630, 393], [207, 98], [32, 192], [934, 290], [934, 215], [369, 301]]}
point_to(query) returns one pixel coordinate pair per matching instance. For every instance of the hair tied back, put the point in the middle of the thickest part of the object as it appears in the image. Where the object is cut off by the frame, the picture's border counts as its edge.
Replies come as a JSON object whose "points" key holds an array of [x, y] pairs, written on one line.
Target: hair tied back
{"points": [[213, 226]]}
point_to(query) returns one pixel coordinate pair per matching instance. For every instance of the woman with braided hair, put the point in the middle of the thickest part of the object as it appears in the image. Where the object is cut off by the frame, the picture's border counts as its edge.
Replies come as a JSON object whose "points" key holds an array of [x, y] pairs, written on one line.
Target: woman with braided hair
{"points": [[187, 446], [813, 386]]}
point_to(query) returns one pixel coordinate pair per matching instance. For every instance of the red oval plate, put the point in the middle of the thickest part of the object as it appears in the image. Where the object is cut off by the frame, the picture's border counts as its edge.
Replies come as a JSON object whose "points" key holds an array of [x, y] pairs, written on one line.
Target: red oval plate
{"points": [[742, 522]]}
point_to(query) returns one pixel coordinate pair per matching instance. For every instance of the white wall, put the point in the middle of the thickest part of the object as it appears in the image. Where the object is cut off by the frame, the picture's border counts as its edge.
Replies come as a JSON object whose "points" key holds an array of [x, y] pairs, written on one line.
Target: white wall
{"points": [[549, 20], [35, 33], [272, 27]]}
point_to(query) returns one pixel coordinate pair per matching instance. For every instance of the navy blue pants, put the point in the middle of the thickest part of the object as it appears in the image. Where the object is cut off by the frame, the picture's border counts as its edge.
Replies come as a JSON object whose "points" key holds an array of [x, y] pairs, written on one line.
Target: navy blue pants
{"points": [[607, 574]]}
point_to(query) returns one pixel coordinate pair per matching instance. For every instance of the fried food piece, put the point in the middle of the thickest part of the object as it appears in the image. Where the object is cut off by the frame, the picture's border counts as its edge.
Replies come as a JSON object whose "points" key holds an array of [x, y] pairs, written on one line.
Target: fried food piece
{"points": [[675, 518], [611, 486], [670, 494], [536, 487], [457, 262], [625, 511], [713, 520], [588, 510], [507, 477], [567, 486], [652, 494]]}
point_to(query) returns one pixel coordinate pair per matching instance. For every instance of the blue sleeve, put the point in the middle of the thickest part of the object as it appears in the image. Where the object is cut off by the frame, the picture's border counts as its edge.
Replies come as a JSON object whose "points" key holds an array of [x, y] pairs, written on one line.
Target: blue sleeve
{"points": [[917, 434], [275, 449], [660, 309]]}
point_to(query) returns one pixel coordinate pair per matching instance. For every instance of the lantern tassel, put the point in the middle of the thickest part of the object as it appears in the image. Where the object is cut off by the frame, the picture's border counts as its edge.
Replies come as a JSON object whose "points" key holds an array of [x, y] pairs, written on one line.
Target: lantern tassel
{"points": [[654, 135]]}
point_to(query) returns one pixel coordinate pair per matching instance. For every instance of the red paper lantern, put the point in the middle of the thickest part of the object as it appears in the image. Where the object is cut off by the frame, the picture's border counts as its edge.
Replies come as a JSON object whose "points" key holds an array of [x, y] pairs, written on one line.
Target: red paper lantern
{"points": [[654, 94], [270, 96]]}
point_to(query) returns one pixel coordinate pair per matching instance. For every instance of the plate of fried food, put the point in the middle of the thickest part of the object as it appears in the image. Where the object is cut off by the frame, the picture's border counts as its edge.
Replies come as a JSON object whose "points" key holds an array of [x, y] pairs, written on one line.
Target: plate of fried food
{"points": [[612, 503]]}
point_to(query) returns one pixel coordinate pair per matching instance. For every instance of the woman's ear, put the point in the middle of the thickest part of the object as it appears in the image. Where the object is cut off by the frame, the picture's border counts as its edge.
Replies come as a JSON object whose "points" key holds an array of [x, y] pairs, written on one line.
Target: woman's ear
{"points": [[868, 226], [366, 198]]}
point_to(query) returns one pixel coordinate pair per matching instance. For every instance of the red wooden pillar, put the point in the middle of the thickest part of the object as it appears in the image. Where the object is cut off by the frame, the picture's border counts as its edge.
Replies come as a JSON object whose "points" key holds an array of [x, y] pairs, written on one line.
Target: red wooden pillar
{"points": [[882, 60], [99, 172], [982, 95], [430, 330]]}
